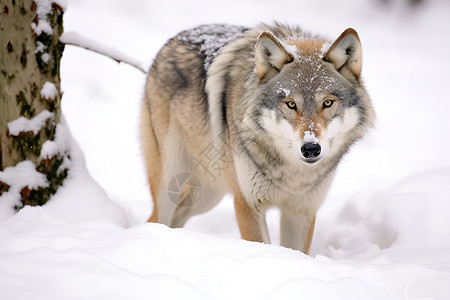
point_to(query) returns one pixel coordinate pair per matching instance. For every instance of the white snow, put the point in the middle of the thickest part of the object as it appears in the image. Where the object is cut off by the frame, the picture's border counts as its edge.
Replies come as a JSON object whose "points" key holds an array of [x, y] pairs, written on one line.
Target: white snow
{"points": [[324, 49], [22, 175], [49, 91], [310, 137], [34, 124], [60, 144], [75, 38], [43, 8], [40, 47], [382, 233], [286, 91], [291, 49], [42, 26]]}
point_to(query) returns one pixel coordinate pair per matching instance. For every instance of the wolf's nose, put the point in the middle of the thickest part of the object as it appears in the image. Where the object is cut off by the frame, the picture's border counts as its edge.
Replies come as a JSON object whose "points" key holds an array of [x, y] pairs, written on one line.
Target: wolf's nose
{"points": [[311, 150]]}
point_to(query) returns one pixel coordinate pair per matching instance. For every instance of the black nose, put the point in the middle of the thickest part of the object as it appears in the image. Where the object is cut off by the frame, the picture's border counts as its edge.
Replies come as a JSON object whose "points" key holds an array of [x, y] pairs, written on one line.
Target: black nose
{"points": [[311, 150]]}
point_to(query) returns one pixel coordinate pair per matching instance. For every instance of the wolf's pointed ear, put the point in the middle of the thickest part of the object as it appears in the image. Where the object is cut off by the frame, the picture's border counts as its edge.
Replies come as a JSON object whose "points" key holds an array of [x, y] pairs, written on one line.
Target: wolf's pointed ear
{"points": [[271, 56], [345, 54]]}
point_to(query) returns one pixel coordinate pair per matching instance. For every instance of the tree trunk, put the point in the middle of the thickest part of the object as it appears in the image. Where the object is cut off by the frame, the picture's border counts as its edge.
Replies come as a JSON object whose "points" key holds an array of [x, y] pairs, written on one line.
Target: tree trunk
{"points": [[30, 109]]}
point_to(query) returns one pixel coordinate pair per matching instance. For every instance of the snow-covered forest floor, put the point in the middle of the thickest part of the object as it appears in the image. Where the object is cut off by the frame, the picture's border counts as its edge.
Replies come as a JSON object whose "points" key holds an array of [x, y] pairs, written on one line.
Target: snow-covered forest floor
{"points": [[383, 232]]}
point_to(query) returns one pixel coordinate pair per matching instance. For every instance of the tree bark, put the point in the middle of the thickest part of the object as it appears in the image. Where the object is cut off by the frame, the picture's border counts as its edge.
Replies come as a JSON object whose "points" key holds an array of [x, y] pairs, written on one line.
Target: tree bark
{"points": [[30, 97]]}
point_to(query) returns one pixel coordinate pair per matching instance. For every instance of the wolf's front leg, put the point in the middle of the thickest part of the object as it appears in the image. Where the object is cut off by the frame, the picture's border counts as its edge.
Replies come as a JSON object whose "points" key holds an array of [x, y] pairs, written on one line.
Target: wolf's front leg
{"points": [[251, 221], [296, 229]]}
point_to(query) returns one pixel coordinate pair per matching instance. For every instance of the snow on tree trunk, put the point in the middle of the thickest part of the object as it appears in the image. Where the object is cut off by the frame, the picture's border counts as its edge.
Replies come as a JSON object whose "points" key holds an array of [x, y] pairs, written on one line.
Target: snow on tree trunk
{"points": [[30, 100]]}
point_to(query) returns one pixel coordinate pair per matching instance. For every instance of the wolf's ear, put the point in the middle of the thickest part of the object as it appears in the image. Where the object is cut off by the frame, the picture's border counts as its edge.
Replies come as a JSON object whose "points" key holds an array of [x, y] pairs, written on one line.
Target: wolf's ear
{"points": [[345, 54], [271, 56]]}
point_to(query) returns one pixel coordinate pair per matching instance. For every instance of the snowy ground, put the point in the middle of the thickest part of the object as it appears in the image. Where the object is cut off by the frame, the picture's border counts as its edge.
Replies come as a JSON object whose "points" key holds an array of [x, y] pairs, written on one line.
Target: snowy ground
{"points": [[383, 232]]}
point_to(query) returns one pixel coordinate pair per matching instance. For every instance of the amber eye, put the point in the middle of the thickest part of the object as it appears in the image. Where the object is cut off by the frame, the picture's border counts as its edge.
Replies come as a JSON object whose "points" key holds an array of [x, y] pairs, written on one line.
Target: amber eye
{"points": [[328, 103], [291, 104]]}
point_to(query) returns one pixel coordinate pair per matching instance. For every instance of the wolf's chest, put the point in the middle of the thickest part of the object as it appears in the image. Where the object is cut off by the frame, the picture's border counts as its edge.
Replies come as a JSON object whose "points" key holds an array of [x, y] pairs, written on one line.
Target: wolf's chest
{"points": [[279, 182]]}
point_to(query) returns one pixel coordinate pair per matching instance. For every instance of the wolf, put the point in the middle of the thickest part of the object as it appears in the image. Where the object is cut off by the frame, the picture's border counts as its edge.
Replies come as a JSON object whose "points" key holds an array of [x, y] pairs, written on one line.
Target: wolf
{"points": [[265, 113]]}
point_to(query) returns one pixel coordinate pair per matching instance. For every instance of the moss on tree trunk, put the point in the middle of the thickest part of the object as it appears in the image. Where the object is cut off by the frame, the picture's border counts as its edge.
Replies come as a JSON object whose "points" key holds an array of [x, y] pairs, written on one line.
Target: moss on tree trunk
{"points": [[30, 54]]}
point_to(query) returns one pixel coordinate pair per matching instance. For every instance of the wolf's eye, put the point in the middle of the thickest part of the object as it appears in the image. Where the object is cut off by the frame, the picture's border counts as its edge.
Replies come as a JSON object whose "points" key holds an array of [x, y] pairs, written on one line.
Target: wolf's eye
{"points": [[291, 104], [327, 103]]}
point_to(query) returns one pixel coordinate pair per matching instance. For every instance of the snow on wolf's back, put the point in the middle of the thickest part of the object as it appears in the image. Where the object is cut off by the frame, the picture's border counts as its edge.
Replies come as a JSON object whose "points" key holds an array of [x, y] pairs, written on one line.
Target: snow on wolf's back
{"points": [[211, 39]]}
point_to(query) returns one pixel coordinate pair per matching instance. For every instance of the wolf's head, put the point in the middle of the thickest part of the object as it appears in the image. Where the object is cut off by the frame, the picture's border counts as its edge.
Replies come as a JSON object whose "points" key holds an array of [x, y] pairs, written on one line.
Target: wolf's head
{"points": [[309, 95]]}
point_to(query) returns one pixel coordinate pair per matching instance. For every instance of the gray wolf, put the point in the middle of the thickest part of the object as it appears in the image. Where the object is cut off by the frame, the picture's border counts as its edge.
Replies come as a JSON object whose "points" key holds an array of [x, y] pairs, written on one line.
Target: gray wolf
{"points": [[264, 113]]}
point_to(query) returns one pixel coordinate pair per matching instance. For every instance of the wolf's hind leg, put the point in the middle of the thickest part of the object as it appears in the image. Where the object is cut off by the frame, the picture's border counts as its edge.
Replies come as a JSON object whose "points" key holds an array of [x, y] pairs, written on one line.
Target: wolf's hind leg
{"points": [[152, 157]]}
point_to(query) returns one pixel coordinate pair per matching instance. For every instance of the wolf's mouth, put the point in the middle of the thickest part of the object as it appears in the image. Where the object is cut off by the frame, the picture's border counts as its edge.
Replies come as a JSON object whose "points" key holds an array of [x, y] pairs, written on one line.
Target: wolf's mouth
{"points": [[311, 161]]}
